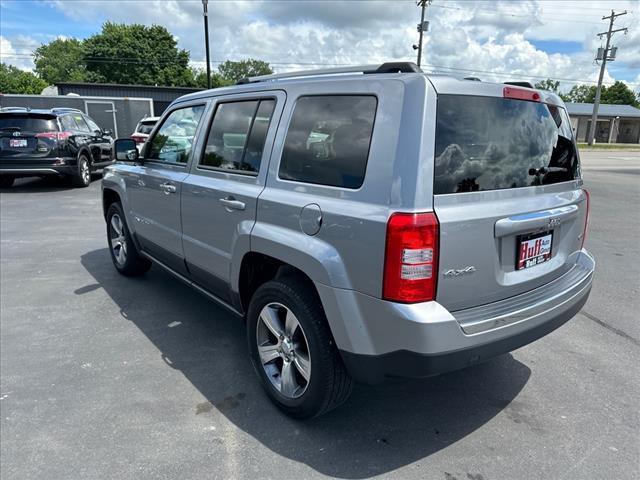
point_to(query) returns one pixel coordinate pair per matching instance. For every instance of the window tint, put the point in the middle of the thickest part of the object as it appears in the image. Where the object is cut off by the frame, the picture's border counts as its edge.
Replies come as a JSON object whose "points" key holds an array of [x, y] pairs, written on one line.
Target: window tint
{"points": [[146, 127], [68, 123], [27, 122], [173, 142], [328, 140], [93, 126], [487, 143], [82, 125], [237, 135]]}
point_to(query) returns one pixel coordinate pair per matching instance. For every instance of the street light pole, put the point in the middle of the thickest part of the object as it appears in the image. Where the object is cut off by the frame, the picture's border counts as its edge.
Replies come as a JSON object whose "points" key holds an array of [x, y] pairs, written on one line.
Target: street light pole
{"points": [[206, 40]]}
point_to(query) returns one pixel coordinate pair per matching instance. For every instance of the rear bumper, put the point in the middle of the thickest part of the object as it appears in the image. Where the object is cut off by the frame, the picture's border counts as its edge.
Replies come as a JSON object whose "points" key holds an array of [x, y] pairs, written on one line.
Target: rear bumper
{"points": [[39, 166], [379, 339]]}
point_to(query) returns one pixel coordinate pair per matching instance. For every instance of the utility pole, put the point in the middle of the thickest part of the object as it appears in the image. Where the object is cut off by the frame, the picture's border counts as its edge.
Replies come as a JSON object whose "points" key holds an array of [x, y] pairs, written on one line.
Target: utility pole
{"points": [[422, 27], [206, 40], [605, 56]]}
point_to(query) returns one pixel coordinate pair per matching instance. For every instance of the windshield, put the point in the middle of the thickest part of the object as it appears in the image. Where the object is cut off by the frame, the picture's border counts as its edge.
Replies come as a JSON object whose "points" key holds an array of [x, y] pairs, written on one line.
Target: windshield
{"points": [[489, 143], [27, 123]]}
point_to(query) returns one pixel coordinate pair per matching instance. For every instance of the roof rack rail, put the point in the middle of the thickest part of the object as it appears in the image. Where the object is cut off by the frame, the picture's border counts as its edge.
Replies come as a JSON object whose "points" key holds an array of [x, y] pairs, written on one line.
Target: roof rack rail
{"points": [[520, 84], [65, 109], [389, 67]]}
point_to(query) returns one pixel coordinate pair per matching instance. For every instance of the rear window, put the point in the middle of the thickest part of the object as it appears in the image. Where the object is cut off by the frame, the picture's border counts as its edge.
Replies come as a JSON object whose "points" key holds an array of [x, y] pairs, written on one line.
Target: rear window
{"points": [[145, 127], [328, 140], [28, 123], [487, 143]]}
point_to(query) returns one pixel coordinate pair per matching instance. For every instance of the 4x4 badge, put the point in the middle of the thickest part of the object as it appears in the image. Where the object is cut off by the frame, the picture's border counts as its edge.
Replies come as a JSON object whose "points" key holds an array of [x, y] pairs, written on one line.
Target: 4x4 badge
{"points": [[452, 272]]}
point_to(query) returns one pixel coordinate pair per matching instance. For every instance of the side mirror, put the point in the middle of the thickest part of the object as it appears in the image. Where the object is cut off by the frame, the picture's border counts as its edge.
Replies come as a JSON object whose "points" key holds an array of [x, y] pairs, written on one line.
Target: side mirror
{"points": [[107, 132], [124, 150]]}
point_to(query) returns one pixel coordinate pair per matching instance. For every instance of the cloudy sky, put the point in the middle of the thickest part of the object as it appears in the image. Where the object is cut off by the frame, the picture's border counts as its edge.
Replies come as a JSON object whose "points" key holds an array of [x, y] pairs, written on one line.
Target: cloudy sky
{"points": [[490, 39]]}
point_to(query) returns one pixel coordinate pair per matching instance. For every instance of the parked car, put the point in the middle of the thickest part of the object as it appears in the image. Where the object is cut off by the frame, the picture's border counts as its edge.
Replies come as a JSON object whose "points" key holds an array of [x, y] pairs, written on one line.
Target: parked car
{"points": [[374, 224], [143, 129], [61, 141]]}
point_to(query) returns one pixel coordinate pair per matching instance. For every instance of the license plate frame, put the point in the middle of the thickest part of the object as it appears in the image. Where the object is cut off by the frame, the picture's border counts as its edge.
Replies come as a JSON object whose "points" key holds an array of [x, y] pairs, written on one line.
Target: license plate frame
{"points": [[525, 260], [18, 143]]}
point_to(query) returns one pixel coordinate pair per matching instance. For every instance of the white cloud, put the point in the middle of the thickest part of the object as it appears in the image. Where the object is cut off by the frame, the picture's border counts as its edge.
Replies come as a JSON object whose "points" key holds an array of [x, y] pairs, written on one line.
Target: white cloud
{"points": [[495, 36], [17, 51]]}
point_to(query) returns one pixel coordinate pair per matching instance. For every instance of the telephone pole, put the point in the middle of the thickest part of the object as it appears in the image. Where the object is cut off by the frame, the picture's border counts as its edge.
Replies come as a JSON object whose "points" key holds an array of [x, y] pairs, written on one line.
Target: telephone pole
{"points": [[422, 27], [206, 40], [604, 55]]}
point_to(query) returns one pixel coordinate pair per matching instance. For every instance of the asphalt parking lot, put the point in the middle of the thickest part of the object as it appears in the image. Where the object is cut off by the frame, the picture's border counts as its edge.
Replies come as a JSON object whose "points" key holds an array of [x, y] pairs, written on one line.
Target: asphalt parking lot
{"points": [[107, 377]]}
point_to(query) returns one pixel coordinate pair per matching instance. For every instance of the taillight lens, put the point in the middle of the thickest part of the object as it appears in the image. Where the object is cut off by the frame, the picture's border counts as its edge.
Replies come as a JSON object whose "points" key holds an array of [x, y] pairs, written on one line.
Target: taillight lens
{"points": [[411, 257], [138, 139], [54, 135], [586, 218]]}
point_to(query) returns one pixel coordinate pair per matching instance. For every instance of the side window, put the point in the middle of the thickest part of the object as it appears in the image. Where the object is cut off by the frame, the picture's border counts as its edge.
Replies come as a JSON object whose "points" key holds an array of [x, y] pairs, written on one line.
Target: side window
{"points": [[68, 123], [328, 140], [93, 126], [82, 125], [237, 135], [173, 142]]}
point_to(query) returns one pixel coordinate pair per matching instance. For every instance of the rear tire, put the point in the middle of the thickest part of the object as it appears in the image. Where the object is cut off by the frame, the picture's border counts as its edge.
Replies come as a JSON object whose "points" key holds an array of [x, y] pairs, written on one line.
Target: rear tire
{"points": [[124, 254], [6, 181], [283, 356], [82, 177]]}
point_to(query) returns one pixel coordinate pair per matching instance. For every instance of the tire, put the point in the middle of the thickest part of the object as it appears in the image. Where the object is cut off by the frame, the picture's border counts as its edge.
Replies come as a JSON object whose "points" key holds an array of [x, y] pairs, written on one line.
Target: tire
{"points": [[6, 181], [82, 177], [124, 254], [328, 384]]}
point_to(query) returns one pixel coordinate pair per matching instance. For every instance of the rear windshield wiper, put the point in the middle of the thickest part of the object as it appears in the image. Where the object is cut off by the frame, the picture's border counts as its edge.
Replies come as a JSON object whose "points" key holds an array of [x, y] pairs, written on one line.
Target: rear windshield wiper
{"points": [[545, 170]]}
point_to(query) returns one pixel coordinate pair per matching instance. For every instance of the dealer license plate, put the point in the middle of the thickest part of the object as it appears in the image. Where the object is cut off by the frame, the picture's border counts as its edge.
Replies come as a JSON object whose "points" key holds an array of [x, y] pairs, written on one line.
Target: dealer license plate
{"points": [[534, 250], [18, 143]]}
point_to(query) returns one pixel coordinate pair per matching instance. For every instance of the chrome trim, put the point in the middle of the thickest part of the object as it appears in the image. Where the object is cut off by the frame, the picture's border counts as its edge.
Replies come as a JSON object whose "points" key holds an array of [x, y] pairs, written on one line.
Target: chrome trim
{"points": [[531, 304]]}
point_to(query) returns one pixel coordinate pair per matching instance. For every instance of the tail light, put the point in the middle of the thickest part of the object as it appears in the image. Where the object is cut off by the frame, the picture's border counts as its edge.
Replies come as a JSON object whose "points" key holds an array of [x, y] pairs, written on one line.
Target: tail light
{"points": [[54, 135], [138, 139], [411, 257], [521, 94], [586, 217]]}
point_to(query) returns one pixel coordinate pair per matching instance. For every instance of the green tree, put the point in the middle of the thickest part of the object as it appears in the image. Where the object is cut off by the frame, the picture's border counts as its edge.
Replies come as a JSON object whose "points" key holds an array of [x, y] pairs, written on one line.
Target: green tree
{"points": [[61, 60], [14, 80], [234, 71], [136, 54], [200, 79], [581, 94], [548, 84], [618, 94]]}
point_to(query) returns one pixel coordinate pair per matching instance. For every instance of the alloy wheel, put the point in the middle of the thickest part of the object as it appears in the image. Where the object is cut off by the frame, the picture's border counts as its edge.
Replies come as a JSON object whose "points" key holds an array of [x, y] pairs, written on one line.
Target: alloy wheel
{"points": [[283, 350], [118, 240]]}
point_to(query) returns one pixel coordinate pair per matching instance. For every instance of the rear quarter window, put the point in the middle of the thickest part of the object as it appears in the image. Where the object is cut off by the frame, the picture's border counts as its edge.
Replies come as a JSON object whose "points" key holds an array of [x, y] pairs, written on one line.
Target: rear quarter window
{"points": [[489, 143], [328, 140]]}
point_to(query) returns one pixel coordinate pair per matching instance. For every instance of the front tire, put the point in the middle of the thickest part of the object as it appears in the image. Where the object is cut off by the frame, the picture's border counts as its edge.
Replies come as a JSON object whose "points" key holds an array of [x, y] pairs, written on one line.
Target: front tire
{"points": [[82, 177], [124, 254], [6, 181], [293, 351]]}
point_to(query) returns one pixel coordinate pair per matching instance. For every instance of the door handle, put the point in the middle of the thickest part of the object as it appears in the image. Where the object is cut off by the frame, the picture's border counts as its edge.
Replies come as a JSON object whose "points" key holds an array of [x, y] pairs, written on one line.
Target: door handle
{"points": [[168, 188], [231, 203]]}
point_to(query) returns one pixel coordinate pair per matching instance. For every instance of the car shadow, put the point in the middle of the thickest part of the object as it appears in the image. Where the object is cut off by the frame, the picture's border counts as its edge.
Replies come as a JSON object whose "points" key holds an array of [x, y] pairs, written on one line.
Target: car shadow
{"points": [[378, 430], [44, 184]]}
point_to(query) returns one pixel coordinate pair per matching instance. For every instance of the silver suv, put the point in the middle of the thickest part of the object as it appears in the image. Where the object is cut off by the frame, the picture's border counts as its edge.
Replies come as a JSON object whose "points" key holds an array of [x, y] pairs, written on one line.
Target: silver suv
{"points": [[365, 223]]}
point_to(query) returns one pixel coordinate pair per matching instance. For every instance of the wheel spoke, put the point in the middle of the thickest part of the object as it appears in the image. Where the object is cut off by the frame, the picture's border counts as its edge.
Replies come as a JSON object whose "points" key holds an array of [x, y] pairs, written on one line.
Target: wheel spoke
{"points": [[120, 255], [303, 365], [269, 317], [291, 324], [123, 246], [268, 353], [288, 384], [116, 225]]}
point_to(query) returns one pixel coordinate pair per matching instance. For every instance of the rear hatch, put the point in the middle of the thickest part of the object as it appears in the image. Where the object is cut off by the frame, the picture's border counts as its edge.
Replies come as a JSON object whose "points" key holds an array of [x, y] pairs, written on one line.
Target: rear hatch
{"points": [[27, 135], [507, 193]]}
